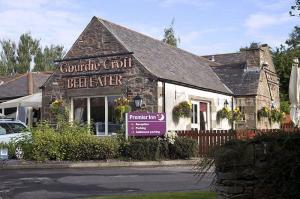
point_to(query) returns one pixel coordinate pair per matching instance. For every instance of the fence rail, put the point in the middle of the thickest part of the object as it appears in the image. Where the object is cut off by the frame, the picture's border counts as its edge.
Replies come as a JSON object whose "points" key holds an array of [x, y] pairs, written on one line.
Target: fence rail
{"points": [[211, 138]]}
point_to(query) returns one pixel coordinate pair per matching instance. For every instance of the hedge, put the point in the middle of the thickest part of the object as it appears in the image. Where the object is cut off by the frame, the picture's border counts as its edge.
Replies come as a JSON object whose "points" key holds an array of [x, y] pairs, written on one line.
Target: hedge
{"points": [[155, 149], [272, 162]]}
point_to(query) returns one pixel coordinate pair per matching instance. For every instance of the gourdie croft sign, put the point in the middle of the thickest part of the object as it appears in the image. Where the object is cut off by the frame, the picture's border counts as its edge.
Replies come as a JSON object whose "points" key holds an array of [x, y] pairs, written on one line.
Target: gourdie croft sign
{"points": [[107, 73], [146, 124]]}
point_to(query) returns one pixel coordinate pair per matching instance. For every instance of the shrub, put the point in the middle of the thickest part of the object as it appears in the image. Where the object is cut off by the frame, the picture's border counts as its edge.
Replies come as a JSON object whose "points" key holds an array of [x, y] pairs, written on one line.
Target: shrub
{"points": [[271, 161], [183, 148], [142, 149], [11, 146], [68, 142], [158, 149]]}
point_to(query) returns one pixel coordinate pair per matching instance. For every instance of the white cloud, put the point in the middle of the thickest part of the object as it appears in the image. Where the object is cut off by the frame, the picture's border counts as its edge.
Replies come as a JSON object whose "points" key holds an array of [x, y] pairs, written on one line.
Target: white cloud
{"points": [[198, 3], [260, 21], [47, 20]]}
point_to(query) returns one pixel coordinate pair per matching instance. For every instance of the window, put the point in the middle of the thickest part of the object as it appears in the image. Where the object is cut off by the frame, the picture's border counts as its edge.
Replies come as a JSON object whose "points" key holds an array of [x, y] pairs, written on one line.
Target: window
{"points": [[5, 129], [97, 111], [97, 105], [242, 109], [194, 113], [80, 110], [17, 127]]}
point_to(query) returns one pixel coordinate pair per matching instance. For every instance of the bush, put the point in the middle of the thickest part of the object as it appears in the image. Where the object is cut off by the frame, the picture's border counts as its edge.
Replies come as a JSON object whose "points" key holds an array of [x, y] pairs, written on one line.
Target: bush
{"points": [[11, 146], [68, 142], [272, 161], [155, 149], [183, 148], [142, 149]]}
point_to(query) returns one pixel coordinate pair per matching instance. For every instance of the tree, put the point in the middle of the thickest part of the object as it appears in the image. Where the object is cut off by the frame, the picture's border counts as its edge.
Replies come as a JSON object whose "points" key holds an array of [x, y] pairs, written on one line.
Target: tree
{"points": [[26, 50], [8, 57], [44, 59], [295, 9], [27, 55], [169, 35], [283, 59]]}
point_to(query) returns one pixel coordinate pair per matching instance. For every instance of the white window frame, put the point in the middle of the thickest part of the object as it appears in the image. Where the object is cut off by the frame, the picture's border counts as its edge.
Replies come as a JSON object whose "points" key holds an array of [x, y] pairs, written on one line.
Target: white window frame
{"points": [[71, 114], [193, 124]]}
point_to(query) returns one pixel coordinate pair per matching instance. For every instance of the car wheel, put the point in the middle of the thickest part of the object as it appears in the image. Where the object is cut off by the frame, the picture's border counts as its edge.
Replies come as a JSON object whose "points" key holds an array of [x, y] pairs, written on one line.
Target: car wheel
{"points": [[19, 153]]}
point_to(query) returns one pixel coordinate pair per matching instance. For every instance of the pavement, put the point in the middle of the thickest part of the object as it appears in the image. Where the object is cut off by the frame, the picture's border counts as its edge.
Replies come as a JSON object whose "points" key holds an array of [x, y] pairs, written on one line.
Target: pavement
{"points": [[22, 164], [89, 182]]}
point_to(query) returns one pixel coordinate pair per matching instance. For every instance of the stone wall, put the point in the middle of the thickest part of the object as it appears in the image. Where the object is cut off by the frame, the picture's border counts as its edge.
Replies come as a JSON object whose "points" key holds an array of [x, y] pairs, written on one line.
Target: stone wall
{"points": [[97, 40], [238, 178]]}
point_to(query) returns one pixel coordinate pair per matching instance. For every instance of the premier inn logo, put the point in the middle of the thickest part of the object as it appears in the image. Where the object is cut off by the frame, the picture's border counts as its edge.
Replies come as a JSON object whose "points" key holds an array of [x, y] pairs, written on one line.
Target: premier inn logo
{"points": [[93, 81]]}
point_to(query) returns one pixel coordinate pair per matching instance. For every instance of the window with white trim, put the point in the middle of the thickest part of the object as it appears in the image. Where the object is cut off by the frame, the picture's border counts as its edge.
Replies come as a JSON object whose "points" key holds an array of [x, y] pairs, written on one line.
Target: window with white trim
{"points": [[98, 111]]}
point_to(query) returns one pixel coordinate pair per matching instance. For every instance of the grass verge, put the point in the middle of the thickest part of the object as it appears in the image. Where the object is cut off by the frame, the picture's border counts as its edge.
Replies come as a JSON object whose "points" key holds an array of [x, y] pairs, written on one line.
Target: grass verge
{"points": [[166, 195]]}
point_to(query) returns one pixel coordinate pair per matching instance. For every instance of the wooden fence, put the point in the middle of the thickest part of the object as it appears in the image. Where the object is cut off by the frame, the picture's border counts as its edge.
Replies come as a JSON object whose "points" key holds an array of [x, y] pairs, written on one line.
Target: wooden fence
{"points": [[207, 140]]}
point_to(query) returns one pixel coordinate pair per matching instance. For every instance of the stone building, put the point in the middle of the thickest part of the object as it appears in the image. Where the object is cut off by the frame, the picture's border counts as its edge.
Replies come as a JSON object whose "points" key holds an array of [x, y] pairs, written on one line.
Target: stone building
{"points": [[251, 76], [108, 61]]}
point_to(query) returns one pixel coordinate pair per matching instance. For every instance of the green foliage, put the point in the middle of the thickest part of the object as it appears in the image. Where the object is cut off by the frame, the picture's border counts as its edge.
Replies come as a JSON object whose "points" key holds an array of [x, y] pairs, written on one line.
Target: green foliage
{"points": [[272, 161], [264, 112], [169, 35], [285, 106], [277, 115], [155, 149], [274, 115], [121, 107], [44, 58], [224, 113], [183, 109], [283, 60], [11, 146], [68, 142], [183, 148], [18, 58], [295, 9]]}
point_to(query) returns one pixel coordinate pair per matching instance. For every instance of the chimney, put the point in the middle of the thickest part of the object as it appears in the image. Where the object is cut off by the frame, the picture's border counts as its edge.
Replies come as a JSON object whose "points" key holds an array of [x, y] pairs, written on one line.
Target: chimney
{"points": [[30, 83], [255, 55], [213, 58]]}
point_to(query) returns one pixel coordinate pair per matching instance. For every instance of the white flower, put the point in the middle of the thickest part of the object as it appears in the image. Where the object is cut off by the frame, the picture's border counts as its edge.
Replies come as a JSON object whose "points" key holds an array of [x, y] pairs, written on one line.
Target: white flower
{"points": [[170, 136]]}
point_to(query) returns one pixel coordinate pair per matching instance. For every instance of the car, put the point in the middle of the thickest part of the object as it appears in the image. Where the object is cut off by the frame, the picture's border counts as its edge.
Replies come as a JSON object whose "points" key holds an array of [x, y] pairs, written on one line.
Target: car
{"points": [[11, 129]]}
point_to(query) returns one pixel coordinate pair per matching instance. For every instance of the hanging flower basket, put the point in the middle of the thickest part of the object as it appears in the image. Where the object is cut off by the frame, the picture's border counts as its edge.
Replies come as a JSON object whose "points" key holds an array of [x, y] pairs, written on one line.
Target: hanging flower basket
{"points": [[182, 110], [224, 113], [264, 112], [121, 107]]}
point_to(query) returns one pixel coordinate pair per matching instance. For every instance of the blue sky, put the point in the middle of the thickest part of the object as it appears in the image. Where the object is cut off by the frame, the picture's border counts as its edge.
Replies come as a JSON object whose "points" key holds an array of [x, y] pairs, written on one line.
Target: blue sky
{"points": [[204, 26]]}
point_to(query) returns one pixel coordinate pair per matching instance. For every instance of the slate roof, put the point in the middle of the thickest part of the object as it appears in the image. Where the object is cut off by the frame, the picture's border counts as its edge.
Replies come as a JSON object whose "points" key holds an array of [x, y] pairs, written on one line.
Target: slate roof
{"points": [[241, 80], [168, 62], [228, 58], [18, 86]]}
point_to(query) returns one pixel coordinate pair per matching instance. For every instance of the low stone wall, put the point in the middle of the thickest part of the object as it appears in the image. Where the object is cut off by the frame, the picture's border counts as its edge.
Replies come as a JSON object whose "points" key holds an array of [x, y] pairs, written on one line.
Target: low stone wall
{"points": [[267, 167], [238, 176]]}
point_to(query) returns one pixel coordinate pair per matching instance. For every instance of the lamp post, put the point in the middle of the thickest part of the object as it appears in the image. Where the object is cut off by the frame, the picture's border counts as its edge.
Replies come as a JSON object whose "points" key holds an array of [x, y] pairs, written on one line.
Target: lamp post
{"points": [[138, 101], [226, 103]]}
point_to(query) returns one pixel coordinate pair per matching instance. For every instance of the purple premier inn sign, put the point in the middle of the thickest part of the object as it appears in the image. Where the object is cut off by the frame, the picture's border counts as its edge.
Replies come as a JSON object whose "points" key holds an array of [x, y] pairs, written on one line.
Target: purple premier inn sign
{"points": [[146, 124]]}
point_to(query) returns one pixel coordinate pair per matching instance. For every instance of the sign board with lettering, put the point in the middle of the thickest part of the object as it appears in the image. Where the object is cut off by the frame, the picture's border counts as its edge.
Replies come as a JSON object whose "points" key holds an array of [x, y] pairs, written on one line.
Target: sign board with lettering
{"points": [[97, 73], [146, 124]]}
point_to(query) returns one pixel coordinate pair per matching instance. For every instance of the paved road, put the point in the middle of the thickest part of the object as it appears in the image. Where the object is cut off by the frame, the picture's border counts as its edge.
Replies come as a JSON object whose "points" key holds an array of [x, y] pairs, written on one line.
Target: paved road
{"points": [[81, 183]]}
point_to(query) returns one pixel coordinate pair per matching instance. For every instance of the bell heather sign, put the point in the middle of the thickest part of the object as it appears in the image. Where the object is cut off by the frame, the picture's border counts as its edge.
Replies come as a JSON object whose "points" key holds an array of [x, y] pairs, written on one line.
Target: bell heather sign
{"points": [[146, 124]]}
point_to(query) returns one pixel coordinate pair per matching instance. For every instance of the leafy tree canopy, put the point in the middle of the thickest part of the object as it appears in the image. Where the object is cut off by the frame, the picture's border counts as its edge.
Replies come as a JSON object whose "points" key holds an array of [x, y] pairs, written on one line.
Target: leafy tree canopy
{"points": [[27, 55], [283, 60], [295, 9], [169, 35]]}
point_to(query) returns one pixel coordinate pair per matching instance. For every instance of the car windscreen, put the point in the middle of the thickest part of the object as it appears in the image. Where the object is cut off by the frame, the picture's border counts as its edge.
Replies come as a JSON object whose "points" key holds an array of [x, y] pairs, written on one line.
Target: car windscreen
{"points": [[17, 127]]}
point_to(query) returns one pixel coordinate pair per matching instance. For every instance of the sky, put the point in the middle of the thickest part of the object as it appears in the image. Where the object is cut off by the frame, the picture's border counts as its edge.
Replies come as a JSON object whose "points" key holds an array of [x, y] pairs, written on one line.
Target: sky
{"points": [[203, 26]]}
